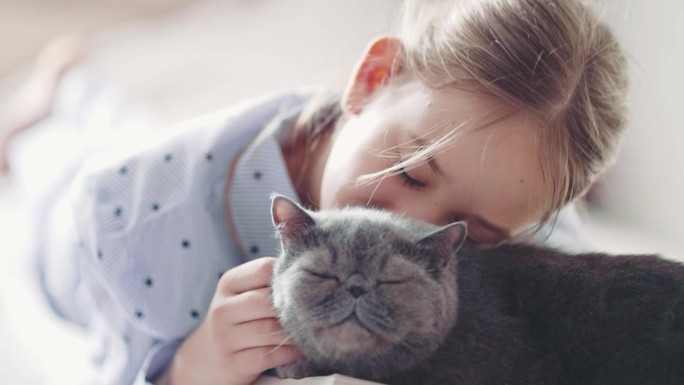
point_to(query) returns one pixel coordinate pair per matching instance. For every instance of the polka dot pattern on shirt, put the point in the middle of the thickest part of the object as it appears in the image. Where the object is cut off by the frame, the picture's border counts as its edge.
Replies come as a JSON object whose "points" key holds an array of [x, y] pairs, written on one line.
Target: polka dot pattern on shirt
{"points": [[155, 206]]}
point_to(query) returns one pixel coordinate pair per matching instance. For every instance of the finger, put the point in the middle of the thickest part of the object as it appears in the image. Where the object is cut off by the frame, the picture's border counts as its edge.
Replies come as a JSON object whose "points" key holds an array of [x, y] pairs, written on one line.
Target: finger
{"points": [[248, 276], [256, 360], [259, 333], [248, 306]]}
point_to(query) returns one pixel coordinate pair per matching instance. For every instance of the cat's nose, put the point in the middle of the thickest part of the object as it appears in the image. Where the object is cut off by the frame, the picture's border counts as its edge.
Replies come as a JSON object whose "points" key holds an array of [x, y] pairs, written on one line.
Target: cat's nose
{"points": [[357, 285], [356, 290]]}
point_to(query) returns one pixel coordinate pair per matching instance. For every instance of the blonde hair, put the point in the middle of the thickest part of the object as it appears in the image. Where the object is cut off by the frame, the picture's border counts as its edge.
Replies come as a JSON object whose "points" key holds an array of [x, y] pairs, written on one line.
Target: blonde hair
{"points": [[554, 61]]}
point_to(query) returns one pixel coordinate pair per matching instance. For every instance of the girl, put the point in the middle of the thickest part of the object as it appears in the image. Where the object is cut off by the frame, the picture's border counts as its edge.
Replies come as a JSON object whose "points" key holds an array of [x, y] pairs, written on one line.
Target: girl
{"points": [[496, 112]]}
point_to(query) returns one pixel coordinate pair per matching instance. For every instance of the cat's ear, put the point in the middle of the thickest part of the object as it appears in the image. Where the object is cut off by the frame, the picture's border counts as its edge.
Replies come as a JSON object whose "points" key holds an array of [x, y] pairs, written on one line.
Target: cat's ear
{"points": [[288, 217], [452, 236], [448, 239]]}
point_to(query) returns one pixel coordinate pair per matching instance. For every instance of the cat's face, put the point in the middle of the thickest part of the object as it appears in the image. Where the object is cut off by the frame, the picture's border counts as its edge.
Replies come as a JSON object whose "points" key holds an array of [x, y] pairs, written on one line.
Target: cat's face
{"points": [[361, 291]]}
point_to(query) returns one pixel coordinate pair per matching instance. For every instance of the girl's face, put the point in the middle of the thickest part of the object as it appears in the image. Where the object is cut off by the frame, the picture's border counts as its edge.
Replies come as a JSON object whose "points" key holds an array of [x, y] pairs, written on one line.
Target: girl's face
{"points": [[489, 177]]}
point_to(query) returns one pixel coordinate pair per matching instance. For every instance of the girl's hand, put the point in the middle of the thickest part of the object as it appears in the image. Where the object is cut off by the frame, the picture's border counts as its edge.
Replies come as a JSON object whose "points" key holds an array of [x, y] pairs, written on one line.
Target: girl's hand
{"points": [[239, 338]]}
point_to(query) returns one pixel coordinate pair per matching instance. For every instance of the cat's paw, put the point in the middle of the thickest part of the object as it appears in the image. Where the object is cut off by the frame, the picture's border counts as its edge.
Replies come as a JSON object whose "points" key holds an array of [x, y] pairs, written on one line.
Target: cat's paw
{"points": [[293, 370]]}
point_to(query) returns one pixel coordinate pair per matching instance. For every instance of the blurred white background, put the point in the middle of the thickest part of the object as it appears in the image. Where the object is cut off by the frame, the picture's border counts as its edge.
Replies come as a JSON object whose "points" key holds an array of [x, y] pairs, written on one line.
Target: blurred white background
{"points": [[184, 57], [645, 190]]}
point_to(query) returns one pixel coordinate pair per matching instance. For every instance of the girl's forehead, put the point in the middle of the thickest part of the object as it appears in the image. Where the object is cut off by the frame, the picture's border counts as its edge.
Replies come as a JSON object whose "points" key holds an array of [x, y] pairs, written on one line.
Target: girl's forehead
{"points": [[430, 112]]}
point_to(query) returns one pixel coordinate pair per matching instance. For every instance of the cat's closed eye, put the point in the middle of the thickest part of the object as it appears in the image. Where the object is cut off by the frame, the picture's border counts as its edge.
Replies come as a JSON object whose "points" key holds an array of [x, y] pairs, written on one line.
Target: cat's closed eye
{"points": [[321, 275]]}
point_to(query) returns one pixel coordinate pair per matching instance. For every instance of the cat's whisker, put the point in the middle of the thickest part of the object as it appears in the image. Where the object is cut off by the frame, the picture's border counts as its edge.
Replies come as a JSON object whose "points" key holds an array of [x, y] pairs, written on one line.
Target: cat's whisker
{"points": [[276, 347], [330, 309], [326, 300], [381, 322], [297, 328], [272, 334], [376, 312]]}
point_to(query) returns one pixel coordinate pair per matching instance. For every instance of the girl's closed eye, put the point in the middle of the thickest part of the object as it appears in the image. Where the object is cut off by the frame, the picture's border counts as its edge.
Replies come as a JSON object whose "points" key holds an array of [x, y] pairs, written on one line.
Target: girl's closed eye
{"points": [[410, 181]]}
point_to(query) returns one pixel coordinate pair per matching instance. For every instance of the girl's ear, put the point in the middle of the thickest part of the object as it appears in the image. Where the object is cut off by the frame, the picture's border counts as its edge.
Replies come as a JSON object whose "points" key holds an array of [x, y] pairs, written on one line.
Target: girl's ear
{"points": [[379, 63]]}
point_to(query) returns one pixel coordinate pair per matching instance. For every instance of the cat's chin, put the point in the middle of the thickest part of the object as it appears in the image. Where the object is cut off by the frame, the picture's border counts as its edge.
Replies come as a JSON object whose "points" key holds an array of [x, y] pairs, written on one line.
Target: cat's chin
{"points": [[348, 338]]}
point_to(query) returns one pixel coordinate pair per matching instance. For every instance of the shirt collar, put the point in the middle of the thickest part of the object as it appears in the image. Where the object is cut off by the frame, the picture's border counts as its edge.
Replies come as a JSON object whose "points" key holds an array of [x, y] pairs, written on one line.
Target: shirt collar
{"points": [[259, 172]]}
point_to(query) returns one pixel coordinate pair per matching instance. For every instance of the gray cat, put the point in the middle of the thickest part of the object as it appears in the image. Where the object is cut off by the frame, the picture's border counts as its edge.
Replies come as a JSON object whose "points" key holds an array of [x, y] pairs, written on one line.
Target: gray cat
{"points": [[377, 296]]}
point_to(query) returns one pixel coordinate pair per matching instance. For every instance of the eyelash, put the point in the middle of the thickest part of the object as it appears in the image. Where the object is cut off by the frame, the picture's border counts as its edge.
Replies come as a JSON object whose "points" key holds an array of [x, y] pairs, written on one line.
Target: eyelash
{"points": [[409, 181]]}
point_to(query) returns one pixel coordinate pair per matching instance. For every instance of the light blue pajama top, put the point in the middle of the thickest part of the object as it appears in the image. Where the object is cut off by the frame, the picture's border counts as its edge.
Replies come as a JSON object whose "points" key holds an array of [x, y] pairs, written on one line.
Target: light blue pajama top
{"points": [[149, 237], [153, 233]]}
